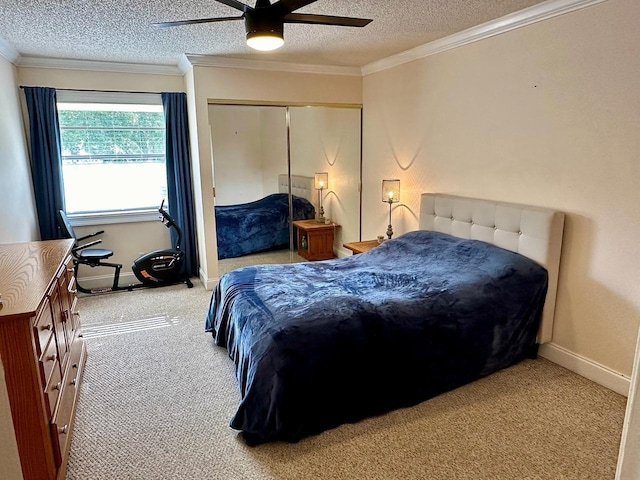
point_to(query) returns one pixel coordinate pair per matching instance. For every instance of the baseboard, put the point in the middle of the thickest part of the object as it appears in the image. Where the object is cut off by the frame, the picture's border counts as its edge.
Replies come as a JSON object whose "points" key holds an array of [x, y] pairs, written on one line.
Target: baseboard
{"points": [[207, 283], [595, 372]]}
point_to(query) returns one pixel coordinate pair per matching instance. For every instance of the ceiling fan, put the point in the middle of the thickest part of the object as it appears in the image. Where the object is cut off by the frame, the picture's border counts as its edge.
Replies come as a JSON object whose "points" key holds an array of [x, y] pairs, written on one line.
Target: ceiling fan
{"points": [[264, 23]]}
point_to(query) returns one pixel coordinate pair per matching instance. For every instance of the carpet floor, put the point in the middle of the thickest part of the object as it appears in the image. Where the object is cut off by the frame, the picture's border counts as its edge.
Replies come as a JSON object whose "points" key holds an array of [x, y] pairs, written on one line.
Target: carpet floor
{"points": [[260, 258], [157, 397]]}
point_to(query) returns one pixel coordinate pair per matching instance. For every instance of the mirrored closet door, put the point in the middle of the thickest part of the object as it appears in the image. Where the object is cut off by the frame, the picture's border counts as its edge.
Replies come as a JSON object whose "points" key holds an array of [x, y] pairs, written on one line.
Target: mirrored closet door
{"points": [[265, 162], [326, 140]]}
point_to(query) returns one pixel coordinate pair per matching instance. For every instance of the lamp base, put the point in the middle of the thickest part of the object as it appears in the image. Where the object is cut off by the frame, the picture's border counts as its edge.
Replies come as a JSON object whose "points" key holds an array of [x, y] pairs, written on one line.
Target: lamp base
{"points": [[320, 218], [389, 231]]}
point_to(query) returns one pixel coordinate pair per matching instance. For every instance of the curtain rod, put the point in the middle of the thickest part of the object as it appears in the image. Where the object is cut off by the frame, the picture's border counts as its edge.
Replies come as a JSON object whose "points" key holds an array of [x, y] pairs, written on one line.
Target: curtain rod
{"points": [[101, 91]]}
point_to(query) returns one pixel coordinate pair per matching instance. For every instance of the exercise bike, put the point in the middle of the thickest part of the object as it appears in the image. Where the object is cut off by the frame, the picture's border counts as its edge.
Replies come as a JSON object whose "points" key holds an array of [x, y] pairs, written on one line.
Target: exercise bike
{"points": [[154, 269]]}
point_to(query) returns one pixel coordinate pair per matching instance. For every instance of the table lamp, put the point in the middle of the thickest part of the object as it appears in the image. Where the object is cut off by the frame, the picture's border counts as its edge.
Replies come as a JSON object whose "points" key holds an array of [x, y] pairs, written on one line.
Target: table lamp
{"points": [[322, 182], [391, 195]]}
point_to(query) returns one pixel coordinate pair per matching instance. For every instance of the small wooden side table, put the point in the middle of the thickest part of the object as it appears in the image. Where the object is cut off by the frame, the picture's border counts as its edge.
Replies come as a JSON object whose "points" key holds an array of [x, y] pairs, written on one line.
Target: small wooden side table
{"points": [[361, 247], [319, 239]]}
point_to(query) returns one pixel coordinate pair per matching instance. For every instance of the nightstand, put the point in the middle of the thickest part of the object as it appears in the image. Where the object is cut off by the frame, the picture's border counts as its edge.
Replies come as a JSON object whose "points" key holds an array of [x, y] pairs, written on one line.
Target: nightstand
{"points": [[319, 239], [361, 247]]}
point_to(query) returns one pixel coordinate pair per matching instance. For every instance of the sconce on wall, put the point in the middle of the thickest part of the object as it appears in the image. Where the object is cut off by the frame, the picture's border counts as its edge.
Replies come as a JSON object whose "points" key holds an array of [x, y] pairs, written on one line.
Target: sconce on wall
{"points": [[391, 195], [322, 182]]}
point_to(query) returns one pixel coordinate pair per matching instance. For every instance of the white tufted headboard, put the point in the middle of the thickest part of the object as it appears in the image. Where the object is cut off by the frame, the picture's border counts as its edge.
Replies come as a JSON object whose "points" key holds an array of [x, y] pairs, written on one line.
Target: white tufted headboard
{"points": [[300, 187], [533, 232]]}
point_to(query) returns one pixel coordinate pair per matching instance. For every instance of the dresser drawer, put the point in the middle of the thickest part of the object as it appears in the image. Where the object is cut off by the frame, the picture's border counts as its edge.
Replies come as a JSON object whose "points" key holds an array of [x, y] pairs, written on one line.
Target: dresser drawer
{"points": [[52, 390], [73, 319], [59, 319], [43, 326], [67, 283], [48, 361], [62, 422]]}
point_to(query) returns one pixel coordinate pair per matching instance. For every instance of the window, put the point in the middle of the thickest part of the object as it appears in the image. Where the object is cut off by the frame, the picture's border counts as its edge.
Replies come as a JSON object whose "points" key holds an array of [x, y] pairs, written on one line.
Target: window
{"points": [[113, 154]]}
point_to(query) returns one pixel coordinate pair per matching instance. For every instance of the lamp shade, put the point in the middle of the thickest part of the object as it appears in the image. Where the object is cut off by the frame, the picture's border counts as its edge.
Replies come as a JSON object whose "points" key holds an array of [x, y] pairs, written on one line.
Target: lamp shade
{"points": [[322, 180], [264, 32], [391, 191], [264, 41]]}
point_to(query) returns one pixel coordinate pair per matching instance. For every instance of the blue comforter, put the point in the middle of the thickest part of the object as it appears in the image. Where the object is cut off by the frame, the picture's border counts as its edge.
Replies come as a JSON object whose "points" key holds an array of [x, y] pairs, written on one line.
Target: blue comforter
{"points": [[319, 344], [256, 226]]}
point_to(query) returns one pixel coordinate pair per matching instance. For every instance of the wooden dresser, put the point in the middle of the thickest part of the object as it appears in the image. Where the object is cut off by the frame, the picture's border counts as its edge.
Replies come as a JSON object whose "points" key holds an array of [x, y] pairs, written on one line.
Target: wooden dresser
{"points": [[42, 352]]}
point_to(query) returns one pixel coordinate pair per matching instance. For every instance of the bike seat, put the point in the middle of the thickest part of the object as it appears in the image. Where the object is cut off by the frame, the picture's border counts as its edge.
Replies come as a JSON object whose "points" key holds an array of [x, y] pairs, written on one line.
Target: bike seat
{"points": [[94, 254]]}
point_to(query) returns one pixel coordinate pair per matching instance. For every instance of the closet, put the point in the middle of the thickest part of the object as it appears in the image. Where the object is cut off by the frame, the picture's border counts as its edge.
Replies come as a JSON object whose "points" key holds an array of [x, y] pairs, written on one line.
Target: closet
{"points": [[257, 147]]}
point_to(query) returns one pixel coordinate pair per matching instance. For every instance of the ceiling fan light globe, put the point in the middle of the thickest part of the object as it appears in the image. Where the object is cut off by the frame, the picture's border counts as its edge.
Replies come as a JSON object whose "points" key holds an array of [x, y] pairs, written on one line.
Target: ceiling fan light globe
{"points": [[264, 41]]}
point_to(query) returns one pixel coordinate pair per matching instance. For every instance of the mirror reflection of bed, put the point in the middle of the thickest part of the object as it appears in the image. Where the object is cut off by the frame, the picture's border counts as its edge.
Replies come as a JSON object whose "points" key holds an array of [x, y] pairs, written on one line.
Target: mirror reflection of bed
{"points": [[253, 148], [258, 232]]}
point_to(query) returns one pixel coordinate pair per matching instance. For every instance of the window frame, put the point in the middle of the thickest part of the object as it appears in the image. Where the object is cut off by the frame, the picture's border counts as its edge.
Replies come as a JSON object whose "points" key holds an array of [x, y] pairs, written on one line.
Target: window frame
{"points": [[133, 98]]}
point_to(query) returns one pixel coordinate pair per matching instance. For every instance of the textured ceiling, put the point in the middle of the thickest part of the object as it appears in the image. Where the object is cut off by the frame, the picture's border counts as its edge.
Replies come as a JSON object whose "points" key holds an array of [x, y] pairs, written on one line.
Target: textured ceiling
{"points": [[121, 30]]}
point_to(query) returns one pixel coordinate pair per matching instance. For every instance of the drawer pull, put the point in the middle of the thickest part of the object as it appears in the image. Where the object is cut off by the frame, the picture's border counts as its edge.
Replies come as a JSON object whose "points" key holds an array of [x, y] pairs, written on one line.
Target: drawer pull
{"points": [[75, 365], [48, 326], [74, 381], [52, 358], [63, 430], [70, 270], [57, 387], [74, 291]]}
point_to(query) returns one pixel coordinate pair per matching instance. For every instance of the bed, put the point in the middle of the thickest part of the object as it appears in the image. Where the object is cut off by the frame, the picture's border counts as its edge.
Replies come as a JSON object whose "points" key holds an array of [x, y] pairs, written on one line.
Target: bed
{"points": [[319, 344], [263, 224]]}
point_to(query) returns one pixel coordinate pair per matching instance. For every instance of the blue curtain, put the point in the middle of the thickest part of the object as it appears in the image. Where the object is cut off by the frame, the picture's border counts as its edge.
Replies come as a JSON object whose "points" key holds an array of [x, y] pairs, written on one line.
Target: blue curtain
{"points": [[46, 159], [179, 188]]}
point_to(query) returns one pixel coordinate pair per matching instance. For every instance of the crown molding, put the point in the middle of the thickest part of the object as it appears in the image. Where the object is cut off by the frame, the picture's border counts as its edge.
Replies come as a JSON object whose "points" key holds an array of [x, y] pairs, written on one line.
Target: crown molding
{"points": [[224, 62], [8, 52], [97, 66], [184, 64], [522, 18]]}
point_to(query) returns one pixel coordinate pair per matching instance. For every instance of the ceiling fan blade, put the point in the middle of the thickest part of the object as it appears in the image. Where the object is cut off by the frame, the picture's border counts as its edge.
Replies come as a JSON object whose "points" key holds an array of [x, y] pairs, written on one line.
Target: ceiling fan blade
{"points": [[235, 4], [198, 20], [291, 5], [326, 20]]}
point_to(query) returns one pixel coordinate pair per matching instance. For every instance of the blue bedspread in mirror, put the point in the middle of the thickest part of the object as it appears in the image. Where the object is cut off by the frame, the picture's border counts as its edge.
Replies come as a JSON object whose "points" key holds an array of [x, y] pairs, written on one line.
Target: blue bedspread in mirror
{"points": [[256, 226], [319, 344]]}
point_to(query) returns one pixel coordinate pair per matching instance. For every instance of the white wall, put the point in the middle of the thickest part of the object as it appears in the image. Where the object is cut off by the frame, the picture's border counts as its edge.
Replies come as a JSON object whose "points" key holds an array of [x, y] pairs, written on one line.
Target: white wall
{"points": [[545, 115], [18, 221], [127, 241], [18, 224]]}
